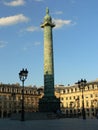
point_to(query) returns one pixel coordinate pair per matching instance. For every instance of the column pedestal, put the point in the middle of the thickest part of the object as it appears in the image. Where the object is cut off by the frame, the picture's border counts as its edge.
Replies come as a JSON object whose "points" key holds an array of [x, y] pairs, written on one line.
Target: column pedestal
{"points": [[49, 104]]}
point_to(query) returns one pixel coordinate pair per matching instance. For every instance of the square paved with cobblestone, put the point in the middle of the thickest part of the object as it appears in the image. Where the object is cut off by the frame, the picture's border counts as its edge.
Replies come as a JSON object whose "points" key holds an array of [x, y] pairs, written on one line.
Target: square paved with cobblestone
{"points": [[57, 124]]}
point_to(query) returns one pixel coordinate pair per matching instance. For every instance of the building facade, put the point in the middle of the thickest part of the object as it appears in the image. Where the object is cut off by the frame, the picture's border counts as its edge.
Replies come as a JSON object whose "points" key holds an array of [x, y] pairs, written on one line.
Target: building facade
{"points": [[70, 99], [11, 99]]}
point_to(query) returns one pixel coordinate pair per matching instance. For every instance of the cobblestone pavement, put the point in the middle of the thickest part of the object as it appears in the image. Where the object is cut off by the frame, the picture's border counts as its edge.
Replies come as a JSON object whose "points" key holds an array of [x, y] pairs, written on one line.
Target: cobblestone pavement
{"points": [[54, 124]]}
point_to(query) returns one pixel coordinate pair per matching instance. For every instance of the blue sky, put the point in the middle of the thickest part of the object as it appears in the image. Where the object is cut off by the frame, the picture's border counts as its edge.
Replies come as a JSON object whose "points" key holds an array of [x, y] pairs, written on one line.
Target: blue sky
{"points": [[75, 40]]}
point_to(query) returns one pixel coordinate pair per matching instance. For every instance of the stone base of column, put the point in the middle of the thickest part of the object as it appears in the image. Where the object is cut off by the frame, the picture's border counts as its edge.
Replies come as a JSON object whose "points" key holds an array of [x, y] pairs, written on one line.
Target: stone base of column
{"points": [[49, 104]]}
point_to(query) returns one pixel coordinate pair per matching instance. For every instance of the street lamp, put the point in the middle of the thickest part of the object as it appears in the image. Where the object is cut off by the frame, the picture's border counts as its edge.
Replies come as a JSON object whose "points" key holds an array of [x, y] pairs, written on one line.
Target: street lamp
{"points": [[81, 84], [23, 76]]}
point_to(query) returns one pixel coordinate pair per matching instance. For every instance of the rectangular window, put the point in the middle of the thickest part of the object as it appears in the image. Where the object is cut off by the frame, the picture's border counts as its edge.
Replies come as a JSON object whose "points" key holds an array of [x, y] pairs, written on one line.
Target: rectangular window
{"points": [[87, 104], [62, 98], [91, 95], [73, 97]]}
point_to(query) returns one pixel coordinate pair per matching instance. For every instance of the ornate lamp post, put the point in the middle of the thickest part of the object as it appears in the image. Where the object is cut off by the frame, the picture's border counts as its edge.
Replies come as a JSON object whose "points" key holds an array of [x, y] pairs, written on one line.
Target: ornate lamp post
{"points": [[23, 76], [81, 85]]}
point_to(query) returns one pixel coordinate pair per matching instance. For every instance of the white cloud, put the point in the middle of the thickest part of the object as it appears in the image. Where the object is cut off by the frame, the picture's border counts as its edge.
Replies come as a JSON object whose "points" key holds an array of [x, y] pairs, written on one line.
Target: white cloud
{"points": [[31, 45], [25, 48], [60, 23], [2, 44], [11, 20], [58, 12], [15, 3], [32, 29], [37, 43]]}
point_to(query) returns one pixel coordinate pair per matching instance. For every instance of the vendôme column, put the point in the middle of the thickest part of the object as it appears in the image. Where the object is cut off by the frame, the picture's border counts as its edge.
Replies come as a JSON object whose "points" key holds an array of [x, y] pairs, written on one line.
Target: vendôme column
{"points": [[49, 102]]}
